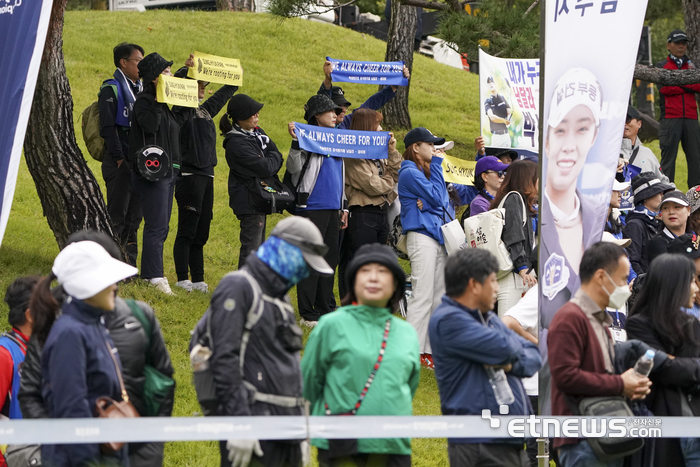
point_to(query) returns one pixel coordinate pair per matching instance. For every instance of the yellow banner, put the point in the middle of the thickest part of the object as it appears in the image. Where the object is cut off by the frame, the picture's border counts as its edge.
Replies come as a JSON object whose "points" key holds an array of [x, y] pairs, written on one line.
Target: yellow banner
{"points": [[216, 69], [177, 91], [458, 171]]}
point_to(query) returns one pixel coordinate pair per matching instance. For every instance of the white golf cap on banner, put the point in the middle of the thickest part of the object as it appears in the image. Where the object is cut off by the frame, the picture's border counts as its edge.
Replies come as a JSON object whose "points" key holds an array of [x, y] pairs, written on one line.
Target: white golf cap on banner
{"points": [[84, 269], [577, 86]]}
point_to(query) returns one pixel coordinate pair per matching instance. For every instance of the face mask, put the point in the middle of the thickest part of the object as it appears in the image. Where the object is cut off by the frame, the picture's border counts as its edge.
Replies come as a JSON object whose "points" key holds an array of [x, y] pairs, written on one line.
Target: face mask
{"points": [[285, 259], [619, 296]]}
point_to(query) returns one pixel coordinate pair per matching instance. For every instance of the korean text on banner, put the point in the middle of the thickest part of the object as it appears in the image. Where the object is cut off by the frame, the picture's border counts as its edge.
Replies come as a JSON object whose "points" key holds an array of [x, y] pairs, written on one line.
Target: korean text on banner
{"points": [[458, 171], [216, 69], [349, 71], [177, 91], [343, 143], [586, 94], [509, 90]]}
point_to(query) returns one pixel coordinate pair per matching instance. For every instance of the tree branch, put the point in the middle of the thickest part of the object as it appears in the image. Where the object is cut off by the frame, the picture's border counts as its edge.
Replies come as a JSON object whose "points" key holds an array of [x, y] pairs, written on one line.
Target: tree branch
{"points": [[532, 7], [427, 4], [663, 77]]}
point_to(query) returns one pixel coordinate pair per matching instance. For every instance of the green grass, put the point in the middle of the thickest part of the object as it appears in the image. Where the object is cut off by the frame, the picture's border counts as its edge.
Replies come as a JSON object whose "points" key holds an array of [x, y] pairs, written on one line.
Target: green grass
{"points": [[283, 68]]}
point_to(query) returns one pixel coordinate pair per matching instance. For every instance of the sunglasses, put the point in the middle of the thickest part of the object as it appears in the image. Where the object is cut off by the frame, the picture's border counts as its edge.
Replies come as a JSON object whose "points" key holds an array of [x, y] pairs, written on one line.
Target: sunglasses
{"points": [[500, 173]]}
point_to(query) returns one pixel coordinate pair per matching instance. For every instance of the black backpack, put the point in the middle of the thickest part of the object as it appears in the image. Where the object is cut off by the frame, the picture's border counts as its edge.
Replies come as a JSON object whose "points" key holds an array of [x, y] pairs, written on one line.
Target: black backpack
{"points": [[287, 180]]}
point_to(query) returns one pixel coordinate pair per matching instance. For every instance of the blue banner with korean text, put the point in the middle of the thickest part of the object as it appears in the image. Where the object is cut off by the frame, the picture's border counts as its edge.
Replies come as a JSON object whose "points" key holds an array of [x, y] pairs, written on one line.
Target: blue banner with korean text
{"points": [[23, 26], [343, 143], [349, 71], [586, 92]]}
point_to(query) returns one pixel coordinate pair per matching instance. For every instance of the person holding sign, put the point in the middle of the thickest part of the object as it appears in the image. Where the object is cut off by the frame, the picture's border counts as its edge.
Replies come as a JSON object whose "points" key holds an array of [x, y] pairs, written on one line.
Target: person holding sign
{"points": [[370, 188], [424, 203], [154, 124], [194, 190], [320, 185], [336, 93], [250, 154]]}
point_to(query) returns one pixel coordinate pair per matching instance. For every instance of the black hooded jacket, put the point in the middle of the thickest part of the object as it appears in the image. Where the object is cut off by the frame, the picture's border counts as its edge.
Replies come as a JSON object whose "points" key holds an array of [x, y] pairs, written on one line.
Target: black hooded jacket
{"points": [[640, 228], [248, 157]]}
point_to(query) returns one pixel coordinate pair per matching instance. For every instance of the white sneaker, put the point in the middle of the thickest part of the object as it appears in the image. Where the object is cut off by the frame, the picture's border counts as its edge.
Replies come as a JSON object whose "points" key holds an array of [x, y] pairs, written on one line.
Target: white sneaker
{"points": [[200, 286], [161, 283], [186, 284], [308, 324]]}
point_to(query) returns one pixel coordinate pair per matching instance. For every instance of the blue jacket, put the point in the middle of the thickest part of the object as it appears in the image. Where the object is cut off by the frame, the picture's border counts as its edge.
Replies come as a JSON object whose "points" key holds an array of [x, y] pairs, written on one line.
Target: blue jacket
{"points": [[375, 102], [414, 186], [77, 369], [462, 345]]}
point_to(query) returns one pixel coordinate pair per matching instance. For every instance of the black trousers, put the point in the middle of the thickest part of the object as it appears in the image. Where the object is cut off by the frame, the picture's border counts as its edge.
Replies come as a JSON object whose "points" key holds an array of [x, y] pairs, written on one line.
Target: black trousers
{"points": [[486, 455], [364, 460], [366, 225], [275, 454], [315, 292], [123, 206], [687, 132], [195, 204], [156, 204], [252, 235], [146, 454]]}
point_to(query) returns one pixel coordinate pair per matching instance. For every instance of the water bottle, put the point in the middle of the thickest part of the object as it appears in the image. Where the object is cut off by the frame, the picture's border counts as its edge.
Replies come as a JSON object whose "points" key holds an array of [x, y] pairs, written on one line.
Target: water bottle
{"points": [[500, 386], [645, 363]]}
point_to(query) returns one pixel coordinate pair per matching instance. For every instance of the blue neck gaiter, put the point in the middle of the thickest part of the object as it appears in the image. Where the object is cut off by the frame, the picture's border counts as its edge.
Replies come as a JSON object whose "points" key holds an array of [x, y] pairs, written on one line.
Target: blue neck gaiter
{"points": [[285, 259]]}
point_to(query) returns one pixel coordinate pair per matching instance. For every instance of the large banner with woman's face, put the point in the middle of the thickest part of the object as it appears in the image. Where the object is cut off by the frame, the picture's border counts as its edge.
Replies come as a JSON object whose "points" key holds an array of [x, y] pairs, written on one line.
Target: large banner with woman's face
{"points": [[590, 52]]}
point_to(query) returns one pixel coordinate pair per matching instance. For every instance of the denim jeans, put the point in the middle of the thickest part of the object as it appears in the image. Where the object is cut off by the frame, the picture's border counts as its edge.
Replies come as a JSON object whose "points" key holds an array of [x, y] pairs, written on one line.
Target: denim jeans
{"points": [[691, 451], [582, 455]]}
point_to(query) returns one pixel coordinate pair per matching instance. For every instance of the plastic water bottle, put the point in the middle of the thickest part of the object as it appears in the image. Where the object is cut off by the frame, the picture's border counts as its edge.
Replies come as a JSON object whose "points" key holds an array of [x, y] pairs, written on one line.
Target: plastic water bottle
{"points": [[500, 386], [645, 363]]}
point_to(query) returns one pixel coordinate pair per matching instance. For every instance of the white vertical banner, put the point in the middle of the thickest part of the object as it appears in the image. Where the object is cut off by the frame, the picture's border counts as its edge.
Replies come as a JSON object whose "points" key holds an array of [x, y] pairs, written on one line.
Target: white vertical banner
{"points": [[589, 56]]}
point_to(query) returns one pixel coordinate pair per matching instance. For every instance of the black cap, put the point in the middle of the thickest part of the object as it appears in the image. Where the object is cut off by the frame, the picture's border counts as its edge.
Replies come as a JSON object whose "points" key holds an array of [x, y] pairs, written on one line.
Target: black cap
{"points": [[242, 107], [338, 96], [633, 113], [677, 35], [375, 253], [500, 152], [152, 66], [675, 196], [421, 135], [489, 79], [319, 104], [687, 244], [646, 184]]}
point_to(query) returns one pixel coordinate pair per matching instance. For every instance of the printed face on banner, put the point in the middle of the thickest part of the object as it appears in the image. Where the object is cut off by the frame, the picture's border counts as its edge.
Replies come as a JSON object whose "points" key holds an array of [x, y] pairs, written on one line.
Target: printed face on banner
{"points": [[510, 98]]}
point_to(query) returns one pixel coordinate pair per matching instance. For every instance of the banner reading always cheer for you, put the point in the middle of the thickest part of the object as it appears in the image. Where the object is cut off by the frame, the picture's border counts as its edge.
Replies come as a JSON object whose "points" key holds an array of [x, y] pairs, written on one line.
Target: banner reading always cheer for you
{"points": [[586, 93], [509, 92], [343, 143], [216, 69], [177, 91], [350, 71]]}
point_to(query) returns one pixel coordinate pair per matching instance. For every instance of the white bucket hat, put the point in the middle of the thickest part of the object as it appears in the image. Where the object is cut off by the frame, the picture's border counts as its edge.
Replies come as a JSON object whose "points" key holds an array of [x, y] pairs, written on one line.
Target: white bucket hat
{"points": [[84, 269]]}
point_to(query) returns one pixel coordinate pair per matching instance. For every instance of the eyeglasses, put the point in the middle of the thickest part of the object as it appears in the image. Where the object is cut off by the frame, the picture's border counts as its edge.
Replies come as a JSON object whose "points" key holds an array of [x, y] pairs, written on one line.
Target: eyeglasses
{"points": [[500, 173], [137, 60]]}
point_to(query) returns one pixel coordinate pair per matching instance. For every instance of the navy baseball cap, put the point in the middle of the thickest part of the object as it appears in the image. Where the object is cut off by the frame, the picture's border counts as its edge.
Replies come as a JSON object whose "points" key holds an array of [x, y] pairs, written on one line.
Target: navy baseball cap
{"points": [[677, 35], [421, 135], [489, 163]]}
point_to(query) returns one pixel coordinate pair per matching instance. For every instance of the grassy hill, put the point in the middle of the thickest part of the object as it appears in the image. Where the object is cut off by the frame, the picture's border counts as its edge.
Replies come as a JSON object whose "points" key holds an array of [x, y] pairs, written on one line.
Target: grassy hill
{"points": [[283, 68]]}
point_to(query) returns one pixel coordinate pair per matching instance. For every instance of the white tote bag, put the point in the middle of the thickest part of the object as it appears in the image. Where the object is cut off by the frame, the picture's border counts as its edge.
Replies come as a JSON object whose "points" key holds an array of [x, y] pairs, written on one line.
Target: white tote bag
{"points": [[484, 231], [454, 238]]}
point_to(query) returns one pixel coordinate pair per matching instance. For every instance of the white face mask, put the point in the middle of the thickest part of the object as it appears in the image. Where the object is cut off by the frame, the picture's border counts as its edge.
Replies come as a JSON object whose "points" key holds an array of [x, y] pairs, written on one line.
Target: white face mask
{"points": [[619, 296]]}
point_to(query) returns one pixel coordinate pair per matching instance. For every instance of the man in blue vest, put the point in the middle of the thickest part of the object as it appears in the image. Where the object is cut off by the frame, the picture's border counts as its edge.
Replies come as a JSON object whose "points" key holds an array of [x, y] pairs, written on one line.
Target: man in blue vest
{"points": [[13, 344], [115, 102]]}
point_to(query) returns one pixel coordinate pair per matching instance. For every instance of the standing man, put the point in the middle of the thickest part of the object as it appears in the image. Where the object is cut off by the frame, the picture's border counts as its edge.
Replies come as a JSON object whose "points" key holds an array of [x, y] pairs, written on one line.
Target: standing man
{"points": [[632, 150], [582, 350], [679, 113], [468, 341], [115, 102], [498, 111]]}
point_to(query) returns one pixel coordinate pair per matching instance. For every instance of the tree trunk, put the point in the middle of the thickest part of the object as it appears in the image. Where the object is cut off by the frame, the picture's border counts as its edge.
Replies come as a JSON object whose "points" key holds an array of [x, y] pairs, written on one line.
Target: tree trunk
{"points": [[691, 8], [224, 5], [399, 46], [69, 194]]}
